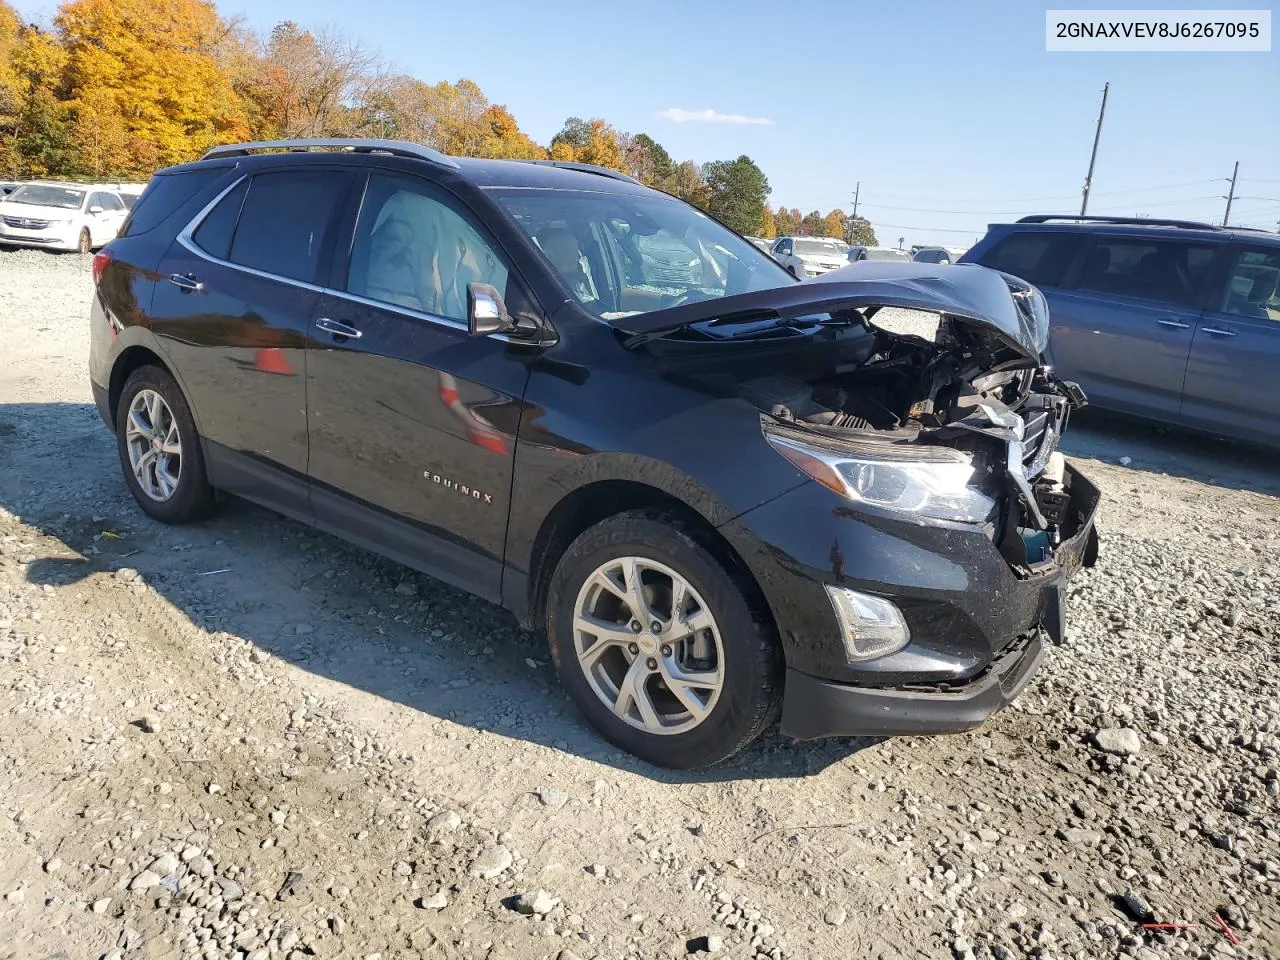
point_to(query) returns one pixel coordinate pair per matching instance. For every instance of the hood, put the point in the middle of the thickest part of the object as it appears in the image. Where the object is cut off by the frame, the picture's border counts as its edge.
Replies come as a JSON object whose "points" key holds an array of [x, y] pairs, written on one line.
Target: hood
{"points": [[1003, 304]]}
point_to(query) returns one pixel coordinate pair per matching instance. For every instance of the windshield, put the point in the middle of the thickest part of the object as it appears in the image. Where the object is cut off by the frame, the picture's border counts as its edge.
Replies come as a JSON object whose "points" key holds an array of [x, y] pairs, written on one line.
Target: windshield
{"points": [[817, 247], [44, 196], [886, 254], [623, 254]]}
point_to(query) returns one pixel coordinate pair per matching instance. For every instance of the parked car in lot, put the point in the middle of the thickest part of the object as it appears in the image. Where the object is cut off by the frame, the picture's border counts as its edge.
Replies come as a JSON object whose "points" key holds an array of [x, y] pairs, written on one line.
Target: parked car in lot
{"points": [[809, 256], [60, 216], [936, 254], [725, 495], [860, 253], [1167, 319], [761, 243]]}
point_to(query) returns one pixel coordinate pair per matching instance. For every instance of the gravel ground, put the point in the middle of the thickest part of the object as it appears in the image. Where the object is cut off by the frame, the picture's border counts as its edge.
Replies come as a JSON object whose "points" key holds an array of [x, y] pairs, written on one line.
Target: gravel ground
{"points": [[246, 740]]}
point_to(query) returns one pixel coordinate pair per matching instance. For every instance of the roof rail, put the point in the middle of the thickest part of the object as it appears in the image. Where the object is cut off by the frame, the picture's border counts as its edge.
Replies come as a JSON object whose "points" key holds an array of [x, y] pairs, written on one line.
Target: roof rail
{"points": [[1137, 221], [396, 148], [587, 168]]}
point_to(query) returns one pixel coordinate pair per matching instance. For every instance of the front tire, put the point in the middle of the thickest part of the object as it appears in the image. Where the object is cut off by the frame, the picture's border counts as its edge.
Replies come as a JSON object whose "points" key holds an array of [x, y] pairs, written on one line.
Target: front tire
{"points": [[160, 449], [659, 645]]}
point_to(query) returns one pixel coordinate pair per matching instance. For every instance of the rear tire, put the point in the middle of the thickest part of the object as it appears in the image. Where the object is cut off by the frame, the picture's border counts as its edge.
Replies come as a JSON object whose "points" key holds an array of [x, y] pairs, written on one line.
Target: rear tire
{"points": [[692, 686], [160, 450]]}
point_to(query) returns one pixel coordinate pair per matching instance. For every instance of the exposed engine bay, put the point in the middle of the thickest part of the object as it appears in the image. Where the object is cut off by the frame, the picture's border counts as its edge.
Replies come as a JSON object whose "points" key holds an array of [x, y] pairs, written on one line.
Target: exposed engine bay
{"points": [[903, 384]]}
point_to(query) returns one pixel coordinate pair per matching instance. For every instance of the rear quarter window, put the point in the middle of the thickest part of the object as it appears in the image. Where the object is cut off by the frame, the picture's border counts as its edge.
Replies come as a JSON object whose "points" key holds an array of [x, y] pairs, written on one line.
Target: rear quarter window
{"points": [[164, 194], [1038, 258]]}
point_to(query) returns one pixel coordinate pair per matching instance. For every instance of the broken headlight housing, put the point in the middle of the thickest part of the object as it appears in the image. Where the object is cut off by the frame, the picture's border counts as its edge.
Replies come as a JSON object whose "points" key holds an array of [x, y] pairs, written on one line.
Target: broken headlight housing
{"points": [[924, 482]]}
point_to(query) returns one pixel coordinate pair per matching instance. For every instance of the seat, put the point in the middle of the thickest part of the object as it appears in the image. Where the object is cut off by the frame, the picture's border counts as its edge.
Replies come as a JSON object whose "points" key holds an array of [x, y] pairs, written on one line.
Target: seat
{"points": [[398, 262], [561, 247], [1260, 294]]}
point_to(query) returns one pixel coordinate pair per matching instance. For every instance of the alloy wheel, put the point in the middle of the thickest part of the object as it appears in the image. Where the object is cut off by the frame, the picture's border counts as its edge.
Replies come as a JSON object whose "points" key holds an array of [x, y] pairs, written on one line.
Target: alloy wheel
{"points": [[155, 445], [648, 645]]}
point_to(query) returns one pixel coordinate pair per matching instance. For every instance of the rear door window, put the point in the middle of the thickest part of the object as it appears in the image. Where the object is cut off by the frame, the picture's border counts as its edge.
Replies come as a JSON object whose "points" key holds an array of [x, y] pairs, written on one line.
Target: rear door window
{"points": [[213, 236], [1040, 258], [1164, 271], [284, 220], [164, 194]]}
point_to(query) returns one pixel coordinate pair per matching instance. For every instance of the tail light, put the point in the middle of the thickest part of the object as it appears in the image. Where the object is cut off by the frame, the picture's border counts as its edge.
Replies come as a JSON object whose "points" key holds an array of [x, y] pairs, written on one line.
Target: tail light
{"points": [[100, 261]]}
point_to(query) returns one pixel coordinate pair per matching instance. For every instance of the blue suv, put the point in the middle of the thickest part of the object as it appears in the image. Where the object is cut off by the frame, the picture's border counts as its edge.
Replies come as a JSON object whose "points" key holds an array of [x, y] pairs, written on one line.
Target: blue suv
{"points": [[1166, 319]]}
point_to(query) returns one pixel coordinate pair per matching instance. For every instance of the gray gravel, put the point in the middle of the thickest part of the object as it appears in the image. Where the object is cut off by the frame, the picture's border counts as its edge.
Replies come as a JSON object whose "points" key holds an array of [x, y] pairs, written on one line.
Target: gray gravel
{"points": [[317, 754]]}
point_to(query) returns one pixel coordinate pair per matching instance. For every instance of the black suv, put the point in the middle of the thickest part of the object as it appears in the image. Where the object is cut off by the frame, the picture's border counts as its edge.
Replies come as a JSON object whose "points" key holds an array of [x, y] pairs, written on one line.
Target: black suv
{"points": [[724, 493]]}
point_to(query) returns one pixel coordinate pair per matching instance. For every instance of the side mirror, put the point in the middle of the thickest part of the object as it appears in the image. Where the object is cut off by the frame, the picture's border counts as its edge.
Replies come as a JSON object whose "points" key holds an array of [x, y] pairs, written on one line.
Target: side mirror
{"points": [[486, 312], [95, 209]]}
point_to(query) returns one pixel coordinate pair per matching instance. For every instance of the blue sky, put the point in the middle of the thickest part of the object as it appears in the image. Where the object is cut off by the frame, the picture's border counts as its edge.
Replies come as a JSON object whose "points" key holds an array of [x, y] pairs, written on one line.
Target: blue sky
{"points": [[934, 106]]}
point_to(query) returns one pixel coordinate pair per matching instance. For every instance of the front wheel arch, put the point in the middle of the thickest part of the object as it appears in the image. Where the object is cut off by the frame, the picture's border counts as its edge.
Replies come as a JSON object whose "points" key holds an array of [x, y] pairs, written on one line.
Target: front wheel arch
{"points": [[594, 502]]}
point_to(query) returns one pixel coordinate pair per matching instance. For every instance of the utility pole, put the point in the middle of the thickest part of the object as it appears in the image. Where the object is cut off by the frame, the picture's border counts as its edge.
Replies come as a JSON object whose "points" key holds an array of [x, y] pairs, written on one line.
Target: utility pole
{"points": [[1088, 180], [856, 190], [1231, 194]]}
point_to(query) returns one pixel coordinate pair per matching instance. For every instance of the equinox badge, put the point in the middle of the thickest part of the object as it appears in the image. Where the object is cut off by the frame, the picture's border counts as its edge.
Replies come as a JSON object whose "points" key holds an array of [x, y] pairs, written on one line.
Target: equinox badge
{"points": [[460, 488]]}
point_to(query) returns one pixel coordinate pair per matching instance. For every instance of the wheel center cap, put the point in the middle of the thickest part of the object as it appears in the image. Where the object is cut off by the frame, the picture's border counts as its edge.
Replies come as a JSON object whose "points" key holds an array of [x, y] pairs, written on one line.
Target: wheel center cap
{"points": [[648, 645]]}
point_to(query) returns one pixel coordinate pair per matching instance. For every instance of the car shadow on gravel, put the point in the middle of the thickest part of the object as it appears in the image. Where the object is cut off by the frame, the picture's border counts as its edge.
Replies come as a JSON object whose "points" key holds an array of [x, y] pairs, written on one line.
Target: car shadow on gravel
{"points": [[332, 609], [1157, 448]]}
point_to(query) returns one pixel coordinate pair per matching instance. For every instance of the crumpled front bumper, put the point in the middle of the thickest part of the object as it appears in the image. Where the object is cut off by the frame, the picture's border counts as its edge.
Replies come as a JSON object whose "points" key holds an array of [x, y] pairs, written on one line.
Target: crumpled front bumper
{"points": [[813, 707], [1012, 617]]}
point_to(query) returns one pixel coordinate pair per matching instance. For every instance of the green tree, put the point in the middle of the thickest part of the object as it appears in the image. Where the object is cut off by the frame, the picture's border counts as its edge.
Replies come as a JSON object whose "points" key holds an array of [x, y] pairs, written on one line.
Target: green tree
{"points": [[860, 233], [739, 190], [649, 162]]}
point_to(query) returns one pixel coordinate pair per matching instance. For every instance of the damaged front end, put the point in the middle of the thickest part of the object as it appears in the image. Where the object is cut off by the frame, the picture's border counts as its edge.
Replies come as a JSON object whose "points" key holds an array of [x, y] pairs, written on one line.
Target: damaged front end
{"points": [[919, 393]]}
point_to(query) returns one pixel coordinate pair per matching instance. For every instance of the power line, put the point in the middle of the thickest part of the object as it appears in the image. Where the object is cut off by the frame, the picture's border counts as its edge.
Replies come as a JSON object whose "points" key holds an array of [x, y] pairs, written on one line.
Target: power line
{"points": [[1157, 203], [1095, 193]]}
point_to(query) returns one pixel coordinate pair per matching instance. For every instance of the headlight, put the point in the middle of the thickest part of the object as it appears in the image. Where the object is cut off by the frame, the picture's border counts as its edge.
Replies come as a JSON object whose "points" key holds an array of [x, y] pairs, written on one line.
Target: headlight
{"points": [[923, 482]]}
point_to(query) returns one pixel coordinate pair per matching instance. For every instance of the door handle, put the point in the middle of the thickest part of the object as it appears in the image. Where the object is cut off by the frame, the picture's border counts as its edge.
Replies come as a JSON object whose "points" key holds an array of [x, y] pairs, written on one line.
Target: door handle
{"points": [[186, 283], [1219, 332], [1174, 324], [338, 329]]}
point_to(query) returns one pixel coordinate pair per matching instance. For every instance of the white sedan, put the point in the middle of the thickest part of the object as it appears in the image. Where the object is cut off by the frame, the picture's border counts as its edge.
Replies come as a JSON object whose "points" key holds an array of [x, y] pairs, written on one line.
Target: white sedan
{"points": [[60, 216]]}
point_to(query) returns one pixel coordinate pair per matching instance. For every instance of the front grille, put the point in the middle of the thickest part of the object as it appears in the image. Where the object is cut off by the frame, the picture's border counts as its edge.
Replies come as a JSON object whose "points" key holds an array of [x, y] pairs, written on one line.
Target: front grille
{"points": [[21, 223], [1042, 426]]}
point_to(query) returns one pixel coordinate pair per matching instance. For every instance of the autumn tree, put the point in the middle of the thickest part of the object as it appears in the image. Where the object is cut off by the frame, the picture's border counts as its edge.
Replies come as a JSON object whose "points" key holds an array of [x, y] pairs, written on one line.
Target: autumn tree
{"points": [[9, 26], [315, 83], [768, 226], [589, 141], [739, 190], [688, 183], [502, 138], [813, 224], [36, 131], [786, 221], [833, 224], [142, 83]]}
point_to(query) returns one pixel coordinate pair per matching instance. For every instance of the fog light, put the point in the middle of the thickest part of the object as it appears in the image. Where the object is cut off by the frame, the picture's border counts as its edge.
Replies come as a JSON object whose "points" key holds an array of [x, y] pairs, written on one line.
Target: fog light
{"points": [[871, 626]]}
